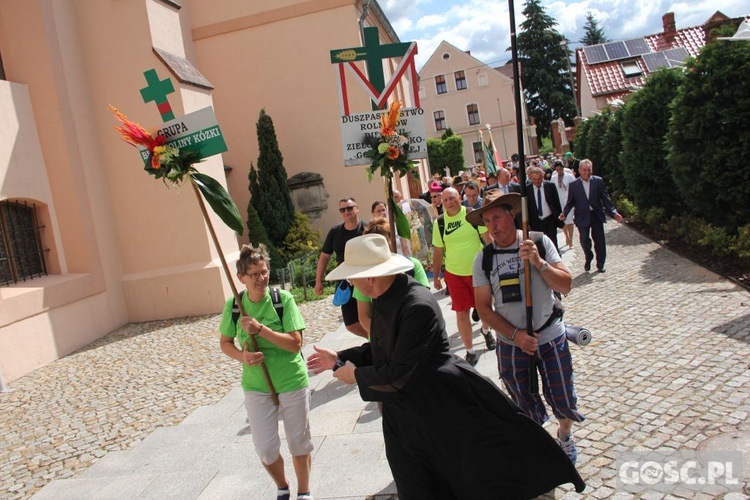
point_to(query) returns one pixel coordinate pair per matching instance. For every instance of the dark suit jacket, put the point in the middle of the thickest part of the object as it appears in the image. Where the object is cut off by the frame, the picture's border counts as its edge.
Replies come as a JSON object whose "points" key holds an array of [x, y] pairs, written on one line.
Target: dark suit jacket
{"points": [[597, 200], [553, 200]]}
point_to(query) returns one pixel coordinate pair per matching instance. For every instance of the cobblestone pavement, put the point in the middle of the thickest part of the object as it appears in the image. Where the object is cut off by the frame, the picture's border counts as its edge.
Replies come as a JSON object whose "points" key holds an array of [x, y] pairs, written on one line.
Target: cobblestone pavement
{"points": [[669, 364], [668, 370], [61, 418]]}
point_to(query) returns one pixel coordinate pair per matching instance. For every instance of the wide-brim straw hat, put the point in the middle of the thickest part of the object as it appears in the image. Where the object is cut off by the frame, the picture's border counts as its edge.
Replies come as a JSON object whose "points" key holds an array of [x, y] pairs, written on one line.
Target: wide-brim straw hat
{"points": [[369, 256], [494, 198]]}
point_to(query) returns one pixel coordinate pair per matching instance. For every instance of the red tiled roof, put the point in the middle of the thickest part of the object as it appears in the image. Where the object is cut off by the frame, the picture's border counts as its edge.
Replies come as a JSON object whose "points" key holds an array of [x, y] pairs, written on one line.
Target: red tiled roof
{"points": [[608, 77]]}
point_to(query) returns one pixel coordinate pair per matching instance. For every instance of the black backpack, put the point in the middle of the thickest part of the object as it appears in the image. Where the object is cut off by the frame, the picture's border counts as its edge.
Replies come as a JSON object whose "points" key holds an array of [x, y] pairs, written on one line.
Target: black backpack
{"points": [[275, 298]]}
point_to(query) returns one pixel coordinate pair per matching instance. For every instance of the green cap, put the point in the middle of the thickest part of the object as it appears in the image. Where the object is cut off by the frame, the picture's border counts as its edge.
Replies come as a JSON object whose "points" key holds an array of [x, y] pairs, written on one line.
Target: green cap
{"points": [[568, 155]]}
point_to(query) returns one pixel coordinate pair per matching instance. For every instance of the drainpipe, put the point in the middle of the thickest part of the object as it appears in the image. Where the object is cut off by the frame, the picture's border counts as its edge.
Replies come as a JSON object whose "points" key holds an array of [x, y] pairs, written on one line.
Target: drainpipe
{"points": [[365, 12]]}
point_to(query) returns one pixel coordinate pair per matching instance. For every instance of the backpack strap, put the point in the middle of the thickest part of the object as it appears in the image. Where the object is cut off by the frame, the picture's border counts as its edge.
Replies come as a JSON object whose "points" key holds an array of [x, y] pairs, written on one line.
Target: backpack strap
{"points": [[236, 309], [277, 305], [487, 261], [275, 299]]}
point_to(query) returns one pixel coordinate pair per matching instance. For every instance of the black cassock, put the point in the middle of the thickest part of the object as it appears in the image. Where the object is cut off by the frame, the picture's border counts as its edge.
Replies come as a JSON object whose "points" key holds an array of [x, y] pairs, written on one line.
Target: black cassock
{"points": [[449, 431]]}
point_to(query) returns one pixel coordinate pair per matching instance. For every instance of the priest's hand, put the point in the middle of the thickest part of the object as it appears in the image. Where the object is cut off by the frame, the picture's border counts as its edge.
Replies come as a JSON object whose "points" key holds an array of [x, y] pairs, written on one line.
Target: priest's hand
{"points": [[321, 360], [346, 373]]}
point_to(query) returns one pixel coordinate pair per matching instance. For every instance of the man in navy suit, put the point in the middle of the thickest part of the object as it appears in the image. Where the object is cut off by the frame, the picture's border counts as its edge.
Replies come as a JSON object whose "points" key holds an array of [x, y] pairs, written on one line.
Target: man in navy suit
{"points": [[544, 205], [588, 196], [504, 183]]}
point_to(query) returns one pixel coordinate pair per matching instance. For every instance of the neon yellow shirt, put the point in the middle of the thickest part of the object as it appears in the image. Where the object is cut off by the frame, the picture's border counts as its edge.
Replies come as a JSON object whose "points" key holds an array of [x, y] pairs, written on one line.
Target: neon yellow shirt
{"points": [[461, 243]]}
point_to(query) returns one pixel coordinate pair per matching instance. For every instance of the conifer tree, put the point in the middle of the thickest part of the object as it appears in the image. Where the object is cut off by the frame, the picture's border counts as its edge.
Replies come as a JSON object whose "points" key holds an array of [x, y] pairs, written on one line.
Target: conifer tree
{"points": [[542, 52], [255, 230], [594, 34], [270, 194]]}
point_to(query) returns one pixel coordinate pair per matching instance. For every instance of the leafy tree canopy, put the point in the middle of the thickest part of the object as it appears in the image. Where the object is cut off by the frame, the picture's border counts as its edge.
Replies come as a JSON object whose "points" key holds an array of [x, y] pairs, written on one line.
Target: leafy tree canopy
{"points": [[708, 138], [644, 130]]}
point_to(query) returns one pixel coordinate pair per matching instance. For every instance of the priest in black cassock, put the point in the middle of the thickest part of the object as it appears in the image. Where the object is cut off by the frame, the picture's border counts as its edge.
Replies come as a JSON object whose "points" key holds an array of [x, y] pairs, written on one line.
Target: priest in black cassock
{"points": [[449, 432]]}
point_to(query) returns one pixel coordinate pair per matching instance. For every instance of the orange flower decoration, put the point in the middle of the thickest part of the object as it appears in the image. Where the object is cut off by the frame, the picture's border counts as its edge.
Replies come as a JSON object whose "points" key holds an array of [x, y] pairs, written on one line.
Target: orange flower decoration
{"points": [[392, 153], [136, 135], [389, 121]]}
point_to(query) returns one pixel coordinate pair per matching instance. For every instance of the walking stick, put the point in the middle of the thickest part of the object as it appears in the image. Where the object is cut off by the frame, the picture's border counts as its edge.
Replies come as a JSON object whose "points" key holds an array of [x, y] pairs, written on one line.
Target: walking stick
{"points": [[238, 301], [533, 380]]}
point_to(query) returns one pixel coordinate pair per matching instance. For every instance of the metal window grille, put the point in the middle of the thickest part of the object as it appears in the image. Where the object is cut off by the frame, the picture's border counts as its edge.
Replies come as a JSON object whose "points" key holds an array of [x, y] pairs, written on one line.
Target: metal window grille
{"points": [[21, 252]]}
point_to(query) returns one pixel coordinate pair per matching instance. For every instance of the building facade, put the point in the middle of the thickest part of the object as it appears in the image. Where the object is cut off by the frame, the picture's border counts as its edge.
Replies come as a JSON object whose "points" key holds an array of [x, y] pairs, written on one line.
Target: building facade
{"points": [[459, 92], [608, 72], [91, 241]]}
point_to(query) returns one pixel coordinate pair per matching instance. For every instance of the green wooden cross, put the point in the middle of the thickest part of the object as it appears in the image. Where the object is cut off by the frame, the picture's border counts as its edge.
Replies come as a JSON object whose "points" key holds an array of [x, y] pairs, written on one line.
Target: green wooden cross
{"points": [[157, 91], [373, 54]]}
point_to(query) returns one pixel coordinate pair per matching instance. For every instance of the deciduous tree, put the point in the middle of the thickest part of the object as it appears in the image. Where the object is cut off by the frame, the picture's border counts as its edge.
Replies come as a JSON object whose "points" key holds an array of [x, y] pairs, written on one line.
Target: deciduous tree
{"points": [[708, 138]]}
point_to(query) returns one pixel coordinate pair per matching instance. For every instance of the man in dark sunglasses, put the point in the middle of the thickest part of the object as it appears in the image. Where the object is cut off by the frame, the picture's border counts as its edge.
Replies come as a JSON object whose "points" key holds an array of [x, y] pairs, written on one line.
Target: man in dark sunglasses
{"points": [[335, 242]]}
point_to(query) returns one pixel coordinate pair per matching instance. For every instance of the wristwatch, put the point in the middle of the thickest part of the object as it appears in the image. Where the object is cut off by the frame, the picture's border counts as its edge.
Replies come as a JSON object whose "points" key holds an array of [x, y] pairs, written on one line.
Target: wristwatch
{"points": [[544, 267]]}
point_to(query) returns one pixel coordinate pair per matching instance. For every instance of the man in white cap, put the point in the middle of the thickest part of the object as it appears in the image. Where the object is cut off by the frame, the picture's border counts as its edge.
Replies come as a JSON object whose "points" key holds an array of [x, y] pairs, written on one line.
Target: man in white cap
{"points": [[425, 391]]}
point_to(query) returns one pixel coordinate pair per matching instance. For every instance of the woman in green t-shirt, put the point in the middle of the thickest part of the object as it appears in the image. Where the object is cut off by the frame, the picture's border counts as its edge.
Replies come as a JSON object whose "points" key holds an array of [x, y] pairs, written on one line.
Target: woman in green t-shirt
{"points": [[380, 225], [278, 330]]}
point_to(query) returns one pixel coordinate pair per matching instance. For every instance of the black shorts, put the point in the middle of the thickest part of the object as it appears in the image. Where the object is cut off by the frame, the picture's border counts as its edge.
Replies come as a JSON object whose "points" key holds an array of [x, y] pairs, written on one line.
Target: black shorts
{"points": [[349, 312]]}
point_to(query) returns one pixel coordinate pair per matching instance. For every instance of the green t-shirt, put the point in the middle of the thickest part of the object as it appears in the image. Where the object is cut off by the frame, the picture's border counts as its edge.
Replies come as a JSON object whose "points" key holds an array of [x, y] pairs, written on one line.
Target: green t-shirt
{"points": [[419, 275], [287, 370], [461, 245]]}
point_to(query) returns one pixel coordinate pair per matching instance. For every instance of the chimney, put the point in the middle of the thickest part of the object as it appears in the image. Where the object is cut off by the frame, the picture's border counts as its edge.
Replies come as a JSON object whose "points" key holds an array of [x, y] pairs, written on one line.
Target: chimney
{"points": [[668, 23]]}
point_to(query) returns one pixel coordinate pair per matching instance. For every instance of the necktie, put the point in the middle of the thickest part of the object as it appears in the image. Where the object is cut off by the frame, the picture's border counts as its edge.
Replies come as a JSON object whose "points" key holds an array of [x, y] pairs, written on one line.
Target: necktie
{"points": [[539, 202]]}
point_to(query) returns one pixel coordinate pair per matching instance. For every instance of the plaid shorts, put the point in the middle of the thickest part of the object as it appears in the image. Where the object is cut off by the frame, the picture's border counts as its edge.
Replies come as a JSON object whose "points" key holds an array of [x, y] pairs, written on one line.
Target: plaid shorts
{"points": [[555, 366]]}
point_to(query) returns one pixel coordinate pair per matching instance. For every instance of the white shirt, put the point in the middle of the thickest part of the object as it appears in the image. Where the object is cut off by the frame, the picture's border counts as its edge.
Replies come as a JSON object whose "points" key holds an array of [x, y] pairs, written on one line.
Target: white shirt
{"points": [[546, 210]]}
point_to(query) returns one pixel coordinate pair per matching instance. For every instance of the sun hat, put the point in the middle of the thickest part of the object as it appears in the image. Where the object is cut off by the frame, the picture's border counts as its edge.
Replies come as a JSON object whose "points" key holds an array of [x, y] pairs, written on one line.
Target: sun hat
{"points": [[369, 256], [436, 187], [494, 198]]}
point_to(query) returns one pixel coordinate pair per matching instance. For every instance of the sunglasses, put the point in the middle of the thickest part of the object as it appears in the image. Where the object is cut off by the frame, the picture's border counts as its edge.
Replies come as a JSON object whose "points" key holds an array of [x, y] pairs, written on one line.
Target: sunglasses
{"points": [[347, 209]]}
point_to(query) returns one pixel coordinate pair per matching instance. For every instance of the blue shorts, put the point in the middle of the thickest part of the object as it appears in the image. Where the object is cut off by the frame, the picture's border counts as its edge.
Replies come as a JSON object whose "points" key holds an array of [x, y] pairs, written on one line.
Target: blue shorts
{"points": [[555, 368]]}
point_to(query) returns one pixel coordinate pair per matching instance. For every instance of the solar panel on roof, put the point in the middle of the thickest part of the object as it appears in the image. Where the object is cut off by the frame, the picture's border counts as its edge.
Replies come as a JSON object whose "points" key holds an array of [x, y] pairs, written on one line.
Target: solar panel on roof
{"points": [[655, 61], [637, 46], [676, 56], [616, 50], [595, 54]]}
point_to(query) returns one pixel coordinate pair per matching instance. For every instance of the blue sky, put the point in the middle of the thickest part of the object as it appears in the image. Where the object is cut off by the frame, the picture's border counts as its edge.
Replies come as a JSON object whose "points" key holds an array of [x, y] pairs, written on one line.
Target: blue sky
{"points": [[482, 26]]}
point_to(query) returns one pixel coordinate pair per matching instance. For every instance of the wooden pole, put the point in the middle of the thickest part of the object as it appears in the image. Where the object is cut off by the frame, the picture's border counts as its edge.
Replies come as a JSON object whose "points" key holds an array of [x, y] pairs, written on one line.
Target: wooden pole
{"points": [[533, 380], [253, 340]]}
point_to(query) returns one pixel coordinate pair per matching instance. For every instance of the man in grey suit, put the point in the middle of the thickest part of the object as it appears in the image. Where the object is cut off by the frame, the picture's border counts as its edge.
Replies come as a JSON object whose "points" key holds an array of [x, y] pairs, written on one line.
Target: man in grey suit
{"points": [[588, 196]]}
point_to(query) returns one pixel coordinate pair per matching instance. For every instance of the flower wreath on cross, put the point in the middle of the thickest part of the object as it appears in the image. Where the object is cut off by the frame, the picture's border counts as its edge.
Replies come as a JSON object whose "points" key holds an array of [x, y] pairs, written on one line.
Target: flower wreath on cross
{"points": [[389, 150]]}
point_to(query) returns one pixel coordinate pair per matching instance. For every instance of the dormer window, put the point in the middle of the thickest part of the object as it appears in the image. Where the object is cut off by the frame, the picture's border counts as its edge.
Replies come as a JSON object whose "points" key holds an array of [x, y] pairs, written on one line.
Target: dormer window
{"points": [[631, 69]]}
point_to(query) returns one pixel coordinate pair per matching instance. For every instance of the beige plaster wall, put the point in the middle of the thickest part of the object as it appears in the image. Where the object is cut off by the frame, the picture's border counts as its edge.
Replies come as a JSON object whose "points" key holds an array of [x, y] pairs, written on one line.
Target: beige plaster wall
{"points": [[123, 247], [279, 60]]}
